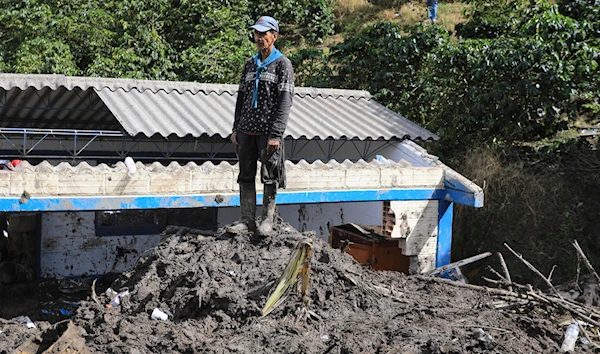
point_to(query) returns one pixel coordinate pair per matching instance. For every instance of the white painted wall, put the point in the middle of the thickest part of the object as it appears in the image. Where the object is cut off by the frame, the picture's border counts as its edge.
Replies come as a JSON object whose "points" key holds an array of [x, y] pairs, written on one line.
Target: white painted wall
{"points": [[421, 225], [317, 217], [421, 218], [70, 247]]}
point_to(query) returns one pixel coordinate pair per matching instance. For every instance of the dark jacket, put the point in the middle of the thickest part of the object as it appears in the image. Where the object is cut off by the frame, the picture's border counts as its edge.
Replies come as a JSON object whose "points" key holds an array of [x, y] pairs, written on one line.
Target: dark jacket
{"points": [[275, 93]]}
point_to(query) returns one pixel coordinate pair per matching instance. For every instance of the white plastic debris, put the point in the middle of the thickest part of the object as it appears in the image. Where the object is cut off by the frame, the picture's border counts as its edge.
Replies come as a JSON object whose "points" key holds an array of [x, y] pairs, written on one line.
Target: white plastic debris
{"points": [[383, 160], [484, 338], [24, 320], [159, 315], [130, 166], [571, 335], [116, 300]]}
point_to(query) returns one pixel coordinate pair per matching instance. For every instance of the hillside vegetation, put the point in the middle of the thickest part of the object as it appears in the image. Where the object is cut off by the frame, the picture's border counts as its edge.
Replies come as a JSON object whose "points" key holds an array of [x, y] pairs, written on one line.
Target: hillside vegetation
{"points": [[505, 84]]}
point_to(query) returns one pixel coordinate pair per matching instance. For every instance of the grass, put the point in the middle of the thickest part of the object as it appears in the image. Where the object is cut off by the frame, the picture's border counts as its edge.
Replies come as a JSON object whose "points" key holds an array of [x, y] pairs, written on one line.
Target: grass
{"points": [[354, 15], [351, 16], [536, 204]]}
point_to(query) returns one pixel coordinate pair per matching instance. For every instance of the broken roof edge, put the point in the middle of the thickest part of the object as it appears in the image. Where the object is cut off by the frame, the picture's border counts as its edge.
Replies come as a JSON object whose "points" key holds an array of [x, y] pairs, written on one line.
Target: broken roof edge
{"points": [[54, 81], [466, 192]]}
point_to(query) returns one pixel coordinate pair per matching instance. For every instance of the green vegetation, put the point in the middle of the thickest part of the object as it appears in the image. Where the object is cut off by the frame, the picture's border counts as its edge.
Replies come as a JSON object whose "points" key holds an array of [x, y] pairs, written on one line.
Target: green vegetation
{"points": [[184, 40], [504, 84]]}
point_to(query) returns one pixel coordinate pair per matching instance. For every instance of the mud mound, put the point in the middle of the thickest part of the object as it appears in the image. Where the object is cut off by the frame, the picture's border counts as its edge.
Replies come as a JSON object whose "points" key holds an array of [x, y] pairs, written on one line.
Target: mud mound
{"points": [[213, 287]]}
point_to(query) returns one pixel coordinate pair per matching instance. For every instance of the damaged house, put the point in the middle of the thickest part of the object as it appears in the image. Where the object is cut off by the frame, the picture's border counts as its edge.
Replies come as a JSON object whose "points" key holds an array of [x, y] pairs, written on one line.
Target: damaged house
{"points": [[75, 208]]}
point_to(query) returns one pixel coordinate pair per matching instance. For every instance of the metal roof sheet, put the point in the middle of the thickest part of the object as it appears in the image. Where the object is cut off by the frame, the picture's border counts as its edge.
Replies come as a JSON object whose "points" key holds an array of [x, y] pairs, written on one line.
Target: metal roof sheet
{"points": [[187, 108]]}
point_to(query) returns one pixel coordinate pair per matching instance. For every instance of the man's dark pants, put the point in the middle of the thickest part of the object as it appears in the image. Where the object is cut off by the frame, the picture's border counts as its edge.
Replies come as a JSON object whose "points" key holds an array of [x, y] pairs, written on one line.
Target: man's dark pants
{"points": [[252, 147]]}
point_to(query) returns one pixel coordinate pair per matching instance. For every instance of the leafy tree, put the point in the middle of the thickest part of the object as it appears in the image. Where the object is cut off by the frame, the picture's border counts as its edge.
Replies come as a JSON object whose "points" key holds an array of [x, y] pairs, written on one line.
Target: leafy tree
{"points": [[385, 62], [495, 90], [582, 10], [210, 39], [40, 55], [311, 67], [311, 19], [491, 19]]}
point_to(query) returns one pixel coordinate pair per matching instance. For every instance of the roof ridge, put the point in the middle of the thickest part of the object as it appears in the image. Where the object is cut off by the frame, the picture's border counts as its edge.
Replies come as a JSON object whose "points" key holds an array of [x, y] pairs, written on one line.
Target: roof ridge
{"points": [[24, 81]]}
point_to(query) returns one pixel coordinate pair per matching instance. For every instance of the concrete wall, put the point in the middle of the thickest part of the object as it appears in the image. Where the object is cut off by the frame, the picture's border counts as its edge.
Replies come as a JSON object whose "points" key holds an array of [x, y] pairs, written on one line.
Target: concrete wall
{"points": [[174, 179], [317, 217], [70, 247], [417, 231]]}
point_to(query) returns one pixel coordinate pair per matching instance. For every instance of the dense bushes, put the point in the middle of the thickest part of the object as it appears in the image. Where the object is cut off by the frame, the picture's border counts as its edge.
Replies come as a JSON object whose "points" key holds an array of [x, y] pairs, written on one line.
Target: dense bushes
{"points": [[205, 40], [511, 77]]}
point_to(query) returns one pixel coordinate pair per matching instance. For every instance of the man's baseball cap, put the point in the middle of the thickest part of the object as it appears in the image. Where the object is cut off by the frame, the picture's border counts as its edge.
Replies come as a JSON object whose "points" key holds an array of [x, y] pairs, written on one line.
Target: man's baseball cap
{"points": [[266, 23]]}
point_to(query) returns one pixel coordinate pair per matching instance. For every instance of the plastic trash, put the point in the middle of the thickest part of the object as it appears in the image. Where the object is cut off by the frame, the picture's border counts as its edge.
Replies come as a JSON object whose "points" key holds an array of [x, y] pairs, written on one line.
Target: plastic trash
{"points": [[484, 338], [24, 320], [61, 312], [64, 312], [110, 293], [6, 165], [383, 160], [116, 300], [571, 335], [130, 166], [159, 315]]}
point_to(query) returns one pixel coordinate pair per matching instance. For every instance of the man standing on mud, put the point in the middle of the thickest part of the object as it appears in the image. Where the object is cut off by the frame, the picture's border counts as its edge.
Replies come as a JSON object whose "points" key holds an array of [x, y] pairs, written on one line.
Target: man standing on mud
{"points": [[261, 114]]}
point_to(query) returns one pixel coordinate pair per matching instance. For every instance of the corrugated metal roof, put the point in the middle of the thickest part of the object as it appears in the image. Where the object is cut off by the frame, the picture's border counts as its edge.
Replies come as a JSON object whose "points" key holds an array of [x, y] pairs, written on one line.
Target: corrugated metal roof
{"points": [[186, 108]]}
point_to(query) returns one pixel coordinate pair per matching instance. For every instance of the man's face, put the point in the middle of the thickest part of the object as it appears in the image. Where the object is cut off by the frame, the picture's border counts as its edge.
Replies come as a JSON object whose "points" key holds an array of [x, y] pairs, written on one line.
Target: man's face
{"points": [[264, 40]]}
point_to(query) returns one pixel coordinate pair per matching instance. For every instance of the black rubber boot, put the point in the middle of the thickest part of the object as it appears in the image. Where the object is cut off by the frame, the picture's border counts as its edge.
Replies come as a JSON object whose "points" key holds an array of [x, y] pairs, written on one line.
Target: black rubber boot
{"points": [[247, 220], [268, 210]]}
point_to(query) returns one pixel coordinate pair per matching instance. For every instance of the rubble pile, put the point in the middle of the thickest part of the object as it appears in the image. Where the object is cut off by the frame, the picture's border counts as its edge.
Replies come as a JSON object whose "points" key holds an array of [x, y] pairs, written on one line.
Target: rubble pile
{"points": [[204, 292]]}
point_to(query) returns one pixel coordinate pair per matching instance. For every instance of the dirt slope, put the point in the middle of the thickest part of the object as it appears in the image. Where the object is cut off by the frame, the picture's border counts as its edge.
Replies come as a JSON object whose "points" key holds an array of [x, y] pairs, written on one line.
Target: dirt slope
{"points": [[214, 286]]}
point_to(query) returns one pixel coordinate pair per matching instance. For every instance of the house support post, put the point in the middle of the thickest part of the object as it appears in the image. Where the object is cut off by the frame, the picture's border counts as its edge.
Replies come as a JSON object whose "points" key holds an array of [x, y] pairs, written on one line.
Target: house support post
{"points": [[444, 242]]}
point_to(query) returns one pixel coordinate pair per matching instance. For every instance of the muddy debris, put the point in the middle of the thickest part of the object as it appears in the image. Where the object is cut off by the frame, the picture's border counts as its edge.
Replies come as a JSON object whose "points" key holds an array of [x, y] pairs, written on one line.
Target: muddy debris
{"points": [[212, 286]]}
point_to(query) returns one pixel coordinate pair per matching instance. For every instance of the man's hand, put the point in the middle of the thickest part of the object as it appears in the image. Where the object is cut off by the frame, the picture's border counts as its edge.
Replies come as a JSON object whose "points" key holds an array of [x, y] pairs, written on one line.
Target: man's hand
{"points": [[273, 145], [234, 138]]}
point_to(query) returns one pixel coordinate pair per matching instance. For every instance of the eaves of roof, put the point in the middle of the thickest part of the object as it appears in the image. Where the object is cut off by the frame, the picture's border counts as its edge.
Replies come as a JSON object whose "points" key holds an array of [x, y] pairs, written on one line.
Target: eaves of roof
{"points": [[188, 108]]}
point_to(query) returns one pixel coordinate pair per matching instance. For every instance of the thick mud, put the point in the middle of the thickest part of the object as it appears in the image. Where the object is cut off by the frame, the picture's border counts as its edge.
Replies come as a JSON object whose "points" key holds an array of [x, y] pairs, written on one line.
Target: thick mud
{"points": [[213, 287]]}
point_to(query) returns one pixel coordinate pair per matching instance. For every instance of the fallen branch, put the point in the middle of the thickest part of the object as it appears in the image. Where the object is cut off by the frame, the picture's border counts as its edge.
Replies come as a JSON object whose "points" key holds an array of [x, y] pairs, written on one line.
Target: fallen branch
{"points": [[466, 286], [586, 261], [505, 270], [497, 282], [486, 327], [534, 269], [525, 299], [592, 343], [391, 293], [566, 306], [94, 296], [551, 272], [447, 267], [503, 282], [504, 305]]}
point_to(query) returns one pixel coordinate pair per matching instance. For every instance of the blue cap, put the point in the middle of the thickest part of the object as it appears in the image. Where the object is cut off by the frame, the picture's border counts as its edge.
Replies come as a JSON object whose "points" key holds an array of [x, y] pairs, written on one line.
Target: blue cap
{"points": [[266, 23]]}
